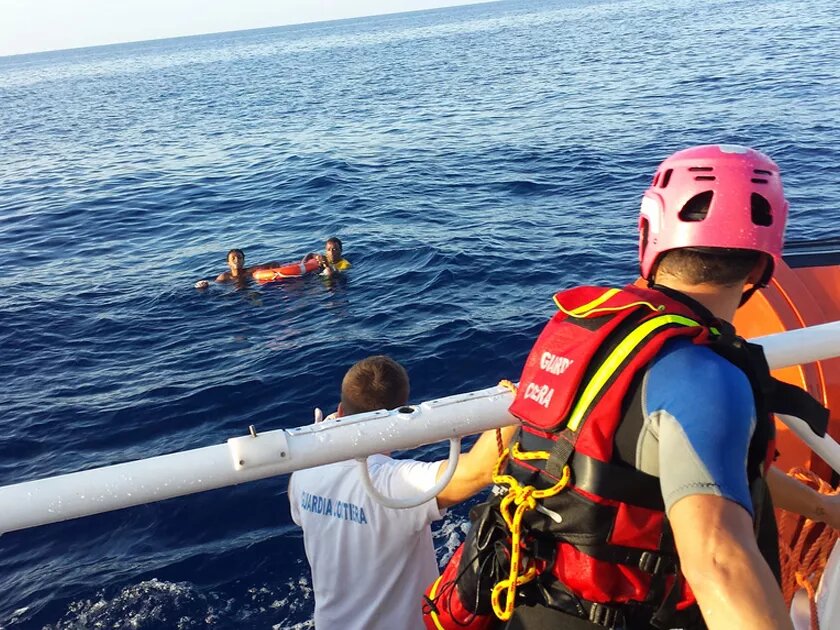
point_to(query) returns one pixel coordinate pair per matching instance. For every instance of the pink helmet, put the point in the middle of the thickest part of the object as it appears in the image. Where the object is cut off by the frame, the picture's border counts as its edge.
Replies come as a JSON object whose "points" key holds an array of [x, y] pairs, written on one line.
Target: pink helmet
{"points": [[713, 196]]}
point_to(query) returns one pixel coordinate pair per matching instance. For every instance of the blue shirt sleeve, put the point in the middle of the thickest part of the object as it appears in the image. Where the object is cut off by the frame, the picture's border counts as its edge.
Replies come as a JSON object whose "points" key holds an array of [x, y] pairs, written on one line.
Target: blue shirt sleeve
{"points": [[704, 409]]}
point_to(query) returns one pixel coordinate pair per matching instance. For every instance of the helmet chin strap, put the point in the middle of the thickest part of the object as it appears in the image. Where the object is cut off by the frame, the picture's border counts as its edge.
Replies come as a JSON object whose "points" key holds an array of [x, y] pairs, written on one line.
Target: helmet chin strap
{"points": [[651, 278], [746, 295], [766, 275]]}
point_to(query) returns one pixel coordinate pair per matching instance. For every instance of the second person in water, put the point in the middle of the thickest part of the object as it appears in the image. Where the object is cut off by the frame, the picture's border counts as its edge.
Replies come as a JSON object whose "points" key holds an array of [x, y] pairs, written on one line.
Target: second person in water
{"points": [[332, 261]]}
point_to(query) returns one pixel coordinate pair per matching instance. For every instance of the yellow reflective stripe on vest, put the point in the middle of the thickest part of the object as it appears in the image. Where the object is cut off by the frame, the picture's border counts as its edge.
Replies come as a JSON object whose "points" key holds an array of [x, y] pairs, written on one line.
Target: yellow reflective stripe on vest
{"points": [[617, 356], [433, 611]]}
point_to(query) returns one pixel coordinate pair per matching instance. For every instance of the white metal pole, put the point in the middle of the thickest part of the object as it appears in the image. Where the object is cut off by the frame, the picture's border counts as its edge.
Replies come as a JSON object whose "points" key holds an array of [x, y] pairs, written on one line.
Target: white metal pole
{"points": [[248, 458], [803, 345], [272, 453]]}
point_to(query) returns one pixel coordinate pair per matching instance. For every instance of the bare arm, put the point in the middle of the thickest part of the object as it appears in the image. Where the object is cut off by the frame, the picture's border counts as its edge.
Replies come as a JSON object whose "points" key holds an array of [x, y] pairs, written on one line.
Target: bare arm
{"points": [[794, 496], [721, 562], [475, 468]]}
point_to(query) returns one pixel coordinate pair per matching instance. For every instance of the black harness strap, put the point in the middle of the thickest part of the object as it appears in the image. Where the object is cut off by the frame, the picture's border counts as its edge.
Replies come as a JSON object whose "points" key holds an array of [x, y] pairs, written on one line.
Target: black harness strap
{"points": [[777, 396], [617, 482], [794, 401], [561, 451]]}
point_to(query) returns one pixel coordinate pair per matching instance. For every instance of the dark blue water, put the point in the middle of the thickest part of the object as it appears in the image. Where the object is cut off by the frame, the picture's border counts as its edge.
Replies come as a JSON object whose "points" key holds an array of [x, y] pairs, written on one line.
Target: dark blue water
{"points": [[474, 160]]}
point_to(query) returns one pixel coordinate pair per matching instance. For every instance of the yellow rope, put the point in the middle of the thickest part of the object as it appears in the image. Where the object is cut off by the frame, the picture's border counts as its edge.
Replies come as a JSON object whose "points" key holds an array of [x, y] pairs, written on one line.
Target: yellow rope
{"points": [[508, 384], [527, 455], [524, 498], [499, 442]]}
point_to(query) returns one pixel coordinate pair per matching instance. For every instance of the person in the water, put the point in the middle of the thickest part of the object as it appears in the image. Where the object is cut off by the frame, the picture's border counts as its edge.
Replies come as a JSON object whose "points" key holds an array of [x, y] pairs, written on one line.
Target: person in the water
{"points": [[238, 270], [332, 261]]}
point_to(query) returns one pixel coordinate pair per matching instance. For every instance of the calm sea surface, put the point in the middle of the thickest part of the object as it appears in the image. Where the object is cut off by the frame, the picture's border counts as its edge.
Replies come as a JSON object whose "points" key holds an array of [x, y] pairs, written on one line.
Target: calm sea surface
{"points": [[474, 160]]}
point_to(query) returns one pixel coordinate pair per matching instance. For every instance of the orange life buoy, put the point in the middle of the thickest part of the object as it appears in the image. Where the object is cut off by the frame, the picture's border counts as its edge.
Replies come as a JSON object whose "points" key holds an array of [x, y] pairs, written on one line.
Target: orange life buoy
{"points": [[291, 270]]}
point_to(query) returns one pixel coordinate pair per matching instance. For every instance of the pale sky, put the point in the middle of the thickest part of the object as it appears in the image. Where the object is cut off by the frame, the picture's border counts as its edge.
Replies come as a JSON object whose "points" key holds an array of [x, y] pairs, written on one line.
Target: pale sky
{"points": [[38, 25]]}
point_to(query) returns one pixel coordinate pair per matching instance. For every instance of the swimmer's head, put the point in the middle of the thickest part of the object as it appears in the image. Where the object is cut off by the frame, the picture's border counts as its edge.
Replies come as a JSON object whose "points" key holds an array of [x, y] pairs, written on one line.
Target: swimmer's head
{"points": [[236, 259], [333, 249]]}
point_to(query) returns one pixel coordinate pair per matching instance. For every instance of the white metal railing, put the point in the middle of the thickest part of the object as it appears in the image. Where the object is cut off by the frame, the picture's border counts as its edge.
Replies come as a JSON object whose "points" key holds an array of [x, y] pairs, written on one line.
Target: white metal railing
{"points": [[261, 455]]}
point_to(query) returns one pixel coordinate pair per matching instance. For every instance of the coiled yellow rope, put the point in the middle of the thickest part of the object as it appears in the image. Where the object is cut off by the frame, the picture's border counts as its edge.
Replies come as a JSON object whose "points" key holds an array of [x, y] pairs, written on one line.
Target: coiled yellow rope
{"points": [[524, 498]]}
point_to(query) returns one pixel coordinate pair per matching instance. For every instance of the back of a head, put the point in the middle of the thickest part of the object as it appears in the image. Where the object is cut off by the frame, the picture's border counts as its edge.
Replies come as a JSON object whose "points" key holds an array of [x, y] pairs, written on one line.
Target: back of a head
{"points": [[377, 382], [694, 266], [718, 208]]}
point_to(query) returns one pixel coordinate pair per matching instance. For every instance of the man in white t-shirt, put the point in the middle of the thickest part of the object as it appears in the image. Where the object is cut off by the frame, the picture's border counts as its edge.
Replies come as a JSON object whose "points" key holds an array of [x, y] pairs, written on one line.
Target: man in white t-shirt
{"points": [[371, 564]]}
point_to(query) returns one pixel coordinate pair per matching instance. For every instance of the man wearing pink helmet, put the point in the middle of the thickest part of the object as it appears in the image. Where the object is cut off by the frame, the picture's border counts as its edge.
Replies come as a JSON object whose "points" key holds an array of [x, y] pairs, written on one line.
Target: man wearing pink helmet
{"points": [[637, 486], [712, 227]]}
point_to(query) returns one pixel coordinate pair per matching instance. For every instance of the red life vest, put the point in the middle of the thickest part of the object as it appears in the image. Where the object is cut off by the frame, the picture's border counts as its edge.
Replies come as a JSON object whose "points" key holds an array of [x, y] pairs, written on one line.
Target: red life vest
{"points": [[612, 543], [597, 543]]}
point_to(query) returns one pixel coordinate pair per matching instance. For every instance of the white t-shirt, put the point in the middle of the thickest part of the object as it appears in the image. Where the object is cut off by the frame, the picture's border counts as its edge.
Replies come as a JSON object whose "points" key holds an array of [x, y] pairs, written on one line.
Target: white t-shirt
{"points": [[370, 564]]}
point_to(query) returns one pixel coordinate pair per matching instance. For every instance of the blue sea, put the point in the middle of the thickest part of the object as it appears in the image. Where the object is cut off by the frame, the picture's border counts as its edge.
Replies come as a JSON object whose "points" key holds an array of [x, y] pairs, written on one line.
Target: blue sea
{"points": [[474, 160]]}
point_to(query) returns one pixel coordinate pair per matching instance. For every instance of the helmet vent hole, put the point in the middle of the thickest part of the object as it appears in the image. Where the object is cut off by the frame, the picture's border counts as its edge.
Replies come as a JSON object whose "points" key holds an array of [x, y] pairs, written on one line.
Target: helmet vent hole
{"points": [[760, 210], [758, 180], [697, 207], [666, 177], [759, 171], [655, 180], [701, 169], [705, 178]]}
